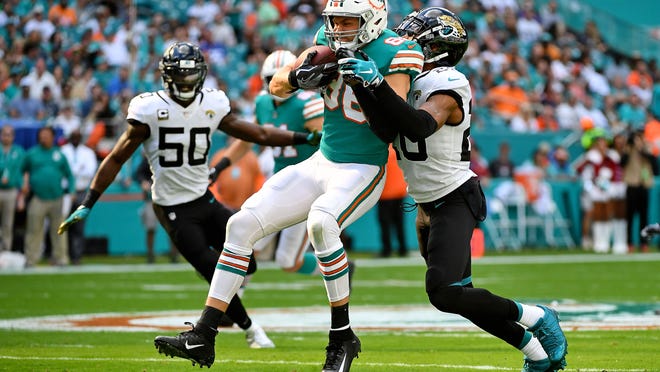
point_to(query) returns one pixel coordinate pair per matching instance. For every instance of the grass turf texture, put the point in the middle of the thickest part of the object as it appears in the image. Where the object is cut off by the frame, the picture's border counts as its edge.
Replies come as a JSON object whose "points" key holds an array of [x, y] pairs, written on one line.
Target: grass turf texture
{"points": [[38, 294]]}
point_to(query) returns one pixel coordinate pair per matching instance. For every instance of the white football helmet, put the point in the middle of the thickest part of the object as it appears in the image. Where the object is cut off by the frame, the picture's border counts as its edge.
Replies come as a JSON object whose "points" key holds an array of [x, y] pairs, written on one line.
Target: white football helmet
{"points": [[373, 20], [272, 63]]}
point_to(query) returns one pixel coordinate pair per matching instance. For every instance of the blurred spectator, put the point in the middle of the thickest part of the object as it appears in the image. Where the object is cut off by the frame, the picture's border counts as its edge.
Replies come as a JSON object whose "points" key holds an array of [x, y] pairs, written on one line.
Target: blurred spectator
{"points": [[525, 121], [62, 14], [50, 106], [532, 176], [568, 113], [24, 106], [37, 22], [390, 208], [633, 113], [507, 98], [83, 164], [39, 78], [120, 83], [479, 164], [549, 15], [502, 165], [205, 11], [11, 182], [560, 167], [546, 121], [652, 134], [639, 73], [588, 109], [67, 120], [639, 169], [529, 29], [46, 168]]}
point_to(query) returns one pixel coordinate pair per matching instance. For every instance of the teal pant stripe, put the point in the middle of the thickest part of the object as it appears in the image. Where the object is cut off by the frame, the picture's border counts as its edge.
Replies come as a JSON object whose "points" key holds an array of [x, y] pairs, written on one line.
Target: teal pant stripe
{"points": [[234, 270], [335, 276], [331, 257], [463, 282]]}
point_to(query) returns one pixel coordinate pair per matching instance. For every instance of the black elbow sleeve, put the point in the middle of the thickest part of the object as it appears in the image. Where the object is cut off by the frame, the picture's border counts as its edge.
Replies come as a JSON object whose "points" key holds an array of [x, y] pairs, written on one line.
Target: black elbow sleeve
{"points": [[412, 123]]}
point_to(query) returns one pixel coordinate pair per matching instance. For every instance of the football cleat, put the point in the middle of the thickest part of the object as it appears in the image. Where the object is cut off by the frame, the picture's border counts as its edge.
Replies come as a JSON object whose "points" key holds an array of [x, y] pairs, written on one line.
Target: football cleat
{"points": [[339, 355], [537, 365], [257, 339], [551, 337], [191, 345]]}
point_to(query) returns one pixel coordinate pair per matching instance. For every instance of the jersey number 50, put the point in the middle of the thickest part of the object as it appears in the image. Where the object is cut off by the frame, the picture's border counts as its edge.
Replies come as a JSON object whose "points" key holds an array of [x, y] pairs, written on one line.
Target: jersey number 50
{"points": [[178, 147]]}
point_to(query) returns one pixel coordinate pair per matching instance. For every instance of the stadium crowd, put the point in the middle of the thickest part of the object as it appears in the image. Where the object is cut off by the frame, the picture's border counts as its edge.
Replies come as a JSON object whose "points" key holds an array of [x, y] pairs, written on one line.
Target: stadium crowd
{"points": [[75, 64]]}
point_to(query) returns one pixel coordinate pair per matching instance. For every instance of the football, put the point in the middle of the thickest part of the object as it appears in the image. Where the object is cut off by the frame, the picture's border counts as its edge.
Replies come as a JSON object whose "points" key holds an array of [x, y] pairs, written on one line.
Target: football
{"points": [[324, 55]]}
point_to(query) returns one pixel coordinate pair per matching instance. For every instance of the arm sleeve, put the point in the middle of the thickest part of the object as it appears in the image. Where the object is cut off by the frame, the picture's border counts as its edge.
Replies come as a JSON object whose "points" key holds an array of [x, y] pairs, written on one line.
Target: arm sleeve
{"points": [[385, 109]]}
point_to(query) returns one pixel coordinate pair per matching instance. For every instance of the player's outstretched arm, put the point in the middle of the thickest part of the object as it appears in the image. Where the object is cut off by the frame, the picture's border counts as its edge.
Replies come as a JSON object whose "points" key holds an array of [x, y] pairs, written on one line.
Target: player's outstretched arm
{"points": [[269, 136], [108, 170]]}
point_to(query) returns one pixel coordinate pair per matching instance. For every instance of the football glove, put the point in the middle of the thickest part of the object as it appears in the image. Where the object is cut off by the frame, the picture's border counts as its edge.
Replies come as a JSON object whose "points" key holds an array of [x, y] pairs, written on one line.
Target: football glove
{"points": [[314, 138], [215, 171], [78, 215], [309, 76], [358, 71]]}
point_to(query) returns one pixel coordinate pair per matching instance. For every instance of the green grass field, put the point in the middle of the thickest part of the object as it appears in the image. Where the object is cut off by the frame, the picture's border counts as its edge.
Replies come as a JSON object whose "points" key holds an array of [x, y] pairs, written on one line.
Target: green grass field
{"points": [[594, 294]]}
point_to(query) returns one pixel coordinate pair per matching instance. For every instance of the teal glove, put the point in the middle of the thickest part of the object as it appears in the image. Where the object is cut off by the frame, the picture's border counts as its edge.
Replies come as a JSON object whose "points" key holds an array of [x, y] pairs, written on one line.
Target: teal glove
{"points": [[355, 71], [78, 215], [314, 138]]}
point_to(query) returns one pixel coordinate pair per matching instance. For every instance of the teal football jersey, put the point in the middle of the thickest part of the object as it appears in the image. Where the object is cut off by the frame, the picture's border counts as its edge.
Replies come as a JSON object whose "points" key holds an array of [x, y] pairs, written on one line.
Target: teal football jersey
{"points": [[346, 134], [289, 115]]}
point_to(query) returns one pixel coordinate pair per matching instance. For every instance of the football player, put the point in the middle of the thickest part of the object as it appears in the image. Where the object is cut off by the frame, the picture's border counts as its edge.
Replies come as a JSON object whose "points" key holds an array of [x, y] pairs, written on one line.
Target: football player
{"points": [[302, 111], [331, 189], [175, 125], [431, 135]]}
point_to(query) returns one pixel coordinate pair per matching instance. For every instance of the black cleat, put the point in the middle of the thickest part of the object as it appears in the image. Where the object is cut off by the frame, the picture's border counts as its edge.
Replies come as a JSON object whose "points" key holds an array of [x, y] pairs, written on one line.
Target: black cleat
{"points": [[191, 345], [339, 355]]}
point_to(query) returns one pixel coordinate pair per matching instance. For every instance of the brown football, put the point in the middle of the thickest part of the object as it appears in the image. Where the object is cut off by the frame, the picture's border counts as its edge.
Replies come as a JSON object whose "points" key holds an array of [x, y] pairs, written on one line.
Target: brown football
{"points": [[324, 55]]}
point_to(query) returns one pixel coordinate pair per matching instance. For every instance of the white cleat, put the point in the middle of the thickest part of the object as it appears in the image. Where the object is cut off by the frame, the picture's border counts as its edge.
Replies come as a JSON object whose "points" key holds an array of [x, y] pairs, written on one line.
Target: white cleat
{"points": [[257, 339]]}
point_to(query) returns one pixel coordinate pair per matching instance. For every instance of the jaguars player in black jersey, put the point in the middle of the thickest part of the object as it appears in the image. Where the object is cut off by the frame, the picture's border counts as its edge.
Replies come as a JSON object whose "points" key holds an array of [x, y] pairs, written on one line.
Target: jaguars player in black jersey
{"points": [[174, 126], [431, 135]]}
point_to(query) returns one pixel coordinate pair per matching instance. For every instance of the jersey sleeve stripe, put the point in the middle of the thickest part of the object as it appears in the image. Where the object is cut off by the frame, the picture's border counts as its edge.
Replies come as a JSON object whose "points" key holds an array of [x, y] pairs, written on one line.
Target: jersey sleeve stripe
{"points": [[405, 60], [313, 108]]}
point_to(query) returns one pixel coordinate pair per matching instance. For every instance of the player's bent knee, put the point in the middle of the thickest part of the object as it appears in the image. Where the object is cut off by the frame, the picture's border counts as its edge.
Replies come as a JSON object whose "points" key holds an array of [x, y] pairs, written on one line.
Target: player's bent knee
{"points": [[444, 298], [323, 231], [243, 226]]}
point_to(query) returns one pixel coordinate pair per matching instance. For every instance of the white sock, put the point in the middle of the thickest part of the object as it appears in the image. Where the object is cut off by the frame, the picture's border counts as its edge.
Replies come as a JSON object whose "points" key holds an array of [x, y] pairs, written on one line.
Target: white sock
{"points": [[533, 350], [529, 315]]}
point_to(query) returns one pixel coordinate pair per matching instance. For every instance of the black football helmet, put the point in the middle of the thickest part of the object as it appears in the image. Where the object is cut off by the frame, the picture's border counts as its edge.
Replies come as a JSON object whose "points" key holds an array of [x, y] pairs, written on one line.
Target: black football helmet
{"points": [[183, 71], [439, 32]]}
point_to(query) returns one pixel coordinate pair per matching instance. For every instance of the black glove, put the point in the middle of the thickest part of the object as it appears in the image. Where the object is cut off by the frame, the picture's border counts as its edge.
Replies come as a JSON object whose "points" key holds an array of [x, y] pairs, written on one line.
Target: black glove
{"points": [[214, 172], [308, 76]]}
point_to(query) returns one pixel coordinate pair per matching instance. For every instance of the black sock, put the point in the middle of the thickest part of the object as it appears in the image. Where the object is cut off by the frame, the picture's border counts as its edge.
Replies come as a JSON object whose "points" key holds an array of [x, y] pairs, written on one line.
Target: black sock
{"points": [[236, 311], [208, 323], [339, 324]]}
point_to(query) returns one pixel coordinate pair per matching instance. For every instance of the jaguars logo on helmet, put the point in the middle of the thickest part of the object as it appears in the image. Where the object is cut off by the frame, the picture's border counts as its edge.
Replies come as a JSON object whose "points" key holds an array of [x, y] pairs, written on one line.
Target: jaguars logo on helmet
{"points": [[439, 32]]}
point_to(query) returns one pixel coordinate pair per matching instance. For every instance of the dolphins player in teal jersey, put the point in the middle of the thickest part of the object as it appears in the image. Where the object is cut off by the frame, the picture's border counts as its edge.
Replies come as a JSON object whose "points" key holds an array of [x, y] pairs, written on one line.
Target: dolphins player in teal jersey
{"points": [[431, 135], [331, 189], [301, 112]]}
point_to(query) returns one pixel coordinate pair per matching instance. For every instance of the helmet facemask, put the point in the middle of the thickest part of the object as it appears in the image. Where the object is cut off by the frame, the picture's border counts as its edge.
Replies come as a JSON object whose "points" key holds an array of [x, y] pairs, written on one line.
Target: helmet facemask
{"points": [[183, 71]]}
